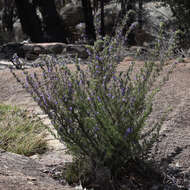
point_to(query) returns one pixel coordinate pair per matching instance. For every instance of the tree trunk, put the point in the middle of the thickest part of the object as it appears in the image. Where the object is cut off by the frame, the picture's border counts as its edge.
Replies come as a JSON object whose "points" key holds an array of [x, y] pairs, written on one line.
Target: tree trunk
{"points": [[95, 6], [53, 25], [123, 8], [102, 32], [7, 16], [89, 21], [140, 14], [30, 22], [128, 5]]}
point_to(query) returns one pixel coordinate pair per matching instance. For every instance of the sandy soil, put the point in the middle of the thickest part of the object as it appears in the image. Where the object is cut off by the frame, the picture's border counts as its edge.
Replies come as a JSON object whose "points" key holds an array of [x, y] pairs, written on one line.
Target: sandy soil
{"points": [[174, 145]]}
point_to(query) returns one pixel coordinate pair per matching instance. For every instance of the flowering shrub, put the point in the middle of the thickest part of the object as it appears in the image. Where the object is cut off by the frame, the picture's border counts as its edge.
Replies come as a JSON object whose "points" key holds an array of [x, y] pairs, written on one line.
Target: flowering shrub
{"points": [[99, 113]]}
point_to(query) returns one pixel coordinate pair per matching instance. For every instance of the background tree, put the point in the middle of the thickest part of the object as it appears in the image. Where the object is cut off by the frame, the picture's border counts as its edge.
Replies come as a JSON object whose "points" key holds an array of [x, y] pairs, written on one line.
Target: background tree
{"points": [[53, 27], [49, 29], [102, 32], [140, 11], [8, 16], [89, 21], [128, 7], [31, 24]]}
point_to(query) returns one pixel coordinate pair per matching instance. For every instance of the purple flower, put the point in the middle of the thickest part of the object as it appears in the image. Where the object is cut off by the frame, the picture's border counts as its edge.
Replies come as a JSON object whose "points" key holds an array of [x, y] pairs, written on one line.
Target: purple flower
{"points": [[110, 48], [97, 129], [43, 98], [81, 82], [133, 26], [98, 58], [123, 91], [97, 66], [88, 51], [49, 97], [114, 78], [128, 131], [69, 85]]}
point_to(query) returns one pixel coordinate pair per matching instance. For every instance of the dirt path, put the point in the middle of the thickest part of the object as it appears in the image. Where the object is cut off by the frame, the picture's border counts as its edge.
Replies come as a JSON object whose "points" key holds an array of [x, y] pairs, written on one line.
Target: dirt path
{"points": [[176, 129], [174, 148]]}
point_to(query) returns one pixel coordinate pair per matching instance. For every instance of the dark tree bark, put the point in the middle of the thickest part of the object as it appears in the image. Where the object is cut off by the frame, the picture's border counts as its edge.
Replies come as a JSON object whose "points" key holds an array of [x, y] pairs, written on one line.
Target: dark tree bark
{"points": [[102, 31], [52, 24], [140, 14], [126, 6], [123, 8], [7, 15], [50, 29], [95, 6], [89, 21], [31, 24]]}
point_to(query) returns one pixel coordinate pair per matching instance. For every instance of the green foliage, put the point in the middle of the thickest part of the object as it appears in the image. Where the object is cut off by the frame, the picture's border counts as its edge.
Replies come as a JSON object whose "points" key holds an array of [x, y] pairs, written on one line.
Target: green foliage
{"points": [[19, 133], [99, 113], [78, 171]]}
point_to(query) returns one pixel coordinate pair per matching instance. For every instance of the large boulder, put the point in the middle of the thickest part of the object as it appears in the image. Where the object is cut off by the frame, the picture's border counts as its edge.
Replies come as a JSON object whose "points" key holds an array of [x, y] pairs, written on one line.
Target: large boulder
{"points": [[18, 33], [19, 172], [31, 51], [111, 13], [156, 13], [8, 50], [188, 52], [72, 14]]}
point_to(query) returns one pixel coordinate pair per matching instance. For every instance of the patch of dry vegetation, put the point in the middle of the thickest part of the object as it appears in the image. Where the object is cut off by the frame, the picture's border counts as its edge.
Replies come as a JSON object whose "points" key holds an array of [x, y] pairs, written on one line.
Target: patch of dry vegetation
{"points": [[21, 133]]}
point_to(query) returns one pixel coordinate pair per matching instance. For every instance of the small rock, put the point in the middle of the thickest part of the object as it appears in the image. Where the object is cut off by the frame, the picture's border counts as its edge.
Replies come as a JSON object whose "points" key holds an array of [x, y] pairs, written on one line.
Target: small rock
{"points": [[56, 49], [188, 52], [77, 50], [31, 56], [2, 151], [34, 157], [129, 59], [31, 178], [155, 187]]}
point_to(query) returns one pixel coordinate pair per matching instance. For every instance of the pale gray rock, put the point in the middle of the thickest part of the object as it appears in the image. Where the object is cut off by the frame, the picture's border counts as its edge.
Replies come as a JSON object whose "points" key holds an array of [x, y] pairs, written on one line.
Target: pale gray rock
{"points": [[19, 172], [72, 15]]}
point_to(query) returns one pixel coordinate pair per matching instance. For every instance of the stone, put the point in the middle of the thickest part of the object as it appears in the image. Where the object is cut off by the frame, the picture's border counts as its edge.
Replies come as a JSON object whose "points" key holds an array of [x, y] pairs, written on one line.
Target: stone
{"points": [[111, 13], [18, 33], [188, 52], [20, 172], [77, 50], [57, 48], [79, 30], [72, 11], [8, 50], [155, 14], [31, 56], [143, 37], [138, 49], [31, 51]]}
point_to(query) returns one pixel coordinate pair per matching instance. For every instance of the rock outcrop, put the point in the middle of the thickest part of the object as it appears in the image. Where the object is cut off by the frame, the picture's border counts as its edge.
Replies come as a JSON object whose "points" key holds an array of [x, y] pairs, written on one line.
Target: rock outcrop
{"points": [[31, 51], [19, 172]]}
